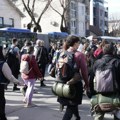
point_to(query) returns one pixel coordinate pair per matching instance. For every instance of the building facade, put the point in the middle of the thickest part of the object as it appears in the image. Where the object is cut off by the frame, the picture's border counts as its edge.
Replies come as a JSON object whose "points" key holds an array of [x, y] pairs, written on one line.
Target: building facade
{"points": [[10, 15], [99, 15]]}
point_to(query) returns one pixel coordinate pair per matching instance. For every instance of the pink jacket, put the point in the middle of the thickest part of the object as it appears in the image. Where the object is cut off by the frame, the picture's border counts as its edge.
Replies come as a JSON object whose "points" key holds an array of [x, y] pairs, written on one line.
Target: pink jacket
{"points": [[35, 72]]}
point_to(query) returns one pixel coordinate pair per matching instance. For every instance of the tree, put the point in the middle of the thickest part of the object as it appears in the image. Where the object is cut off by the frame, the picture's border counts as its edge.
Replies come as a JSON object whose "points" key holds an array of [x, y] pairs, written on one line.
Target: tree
{"points": [[65, 7], [30, 8]]}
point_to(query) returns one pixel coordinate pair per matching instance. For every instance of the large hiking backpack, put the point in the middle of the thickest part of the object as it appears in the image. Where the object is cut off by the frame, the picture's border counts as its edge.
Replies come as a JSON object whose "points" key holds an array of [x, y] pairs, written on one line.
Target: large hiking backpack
{"points": [[3, 79], [105, 78], [65, 66]]}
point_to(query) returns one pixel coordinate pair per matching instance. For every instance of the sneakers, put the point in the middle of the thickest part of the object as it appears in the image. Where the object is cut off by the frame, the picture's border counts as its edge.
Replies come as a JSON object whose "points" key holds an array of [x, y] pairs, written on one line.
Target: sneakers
{"points": [[16, 89]]}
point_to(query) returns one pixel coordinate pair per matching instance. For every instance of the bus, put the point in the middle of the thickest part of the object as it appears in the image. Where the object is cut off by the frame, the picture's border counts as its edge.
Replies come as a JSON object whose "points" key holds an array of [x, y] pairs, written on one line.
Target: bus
{"points": [[7, 34], [110, 39]]}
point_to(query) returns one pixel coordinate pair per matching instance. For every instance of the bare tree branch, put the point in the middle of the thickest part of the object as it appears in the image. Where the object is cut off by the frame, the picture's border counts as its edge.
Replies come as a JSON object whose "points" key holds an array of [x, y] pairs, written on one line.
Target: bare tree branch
{"points": [[55, 10], [44, 10], [64, 5], [30, 10]]}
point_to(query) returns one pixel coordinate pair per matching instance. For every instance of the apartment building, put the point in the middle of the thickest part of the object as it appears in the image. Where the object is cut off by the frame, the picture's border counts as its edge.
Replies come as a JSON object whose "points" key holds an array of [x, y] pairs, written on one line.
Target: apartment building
{"points": [[99, 15]]}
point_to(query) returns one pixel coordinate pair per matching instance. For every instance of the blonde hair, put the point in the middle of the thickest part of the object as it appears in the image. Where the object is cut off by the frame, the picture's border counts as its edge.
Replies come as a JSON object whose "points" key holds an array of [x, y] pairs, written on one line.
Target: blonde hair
{"points": [[38, 42]]}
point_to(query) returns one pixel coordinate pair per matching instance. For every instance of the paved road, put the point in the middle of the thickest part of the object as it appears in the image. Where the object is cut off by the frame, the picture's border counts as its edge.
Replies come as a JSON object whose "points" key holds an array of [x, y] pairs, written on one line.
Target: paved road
{"points": [[47, 108]]}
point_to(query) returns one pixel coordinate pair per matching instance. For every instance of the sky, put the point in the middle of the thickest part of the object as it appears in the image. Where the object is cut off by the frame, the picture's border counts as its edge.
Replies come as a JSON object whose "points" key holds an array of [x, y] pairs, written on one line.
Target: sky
{"points": [[114, 8]]}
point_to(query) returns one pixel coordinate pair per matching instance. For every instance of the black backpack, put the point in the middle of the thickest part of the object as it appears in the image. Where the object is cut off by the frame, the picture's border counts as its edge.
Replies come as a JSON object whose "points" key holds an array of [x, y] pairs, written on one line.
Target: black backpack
{"points": [[3, 79], [65, 66], [13, 61]]}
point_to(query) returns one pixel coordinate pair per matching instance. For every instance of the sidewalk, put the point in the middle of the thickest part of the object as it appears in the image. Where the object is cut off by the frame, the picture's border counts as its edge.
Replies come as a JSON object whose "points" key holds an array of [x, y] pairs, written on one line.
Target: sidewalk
{"points": [[47, 108]]}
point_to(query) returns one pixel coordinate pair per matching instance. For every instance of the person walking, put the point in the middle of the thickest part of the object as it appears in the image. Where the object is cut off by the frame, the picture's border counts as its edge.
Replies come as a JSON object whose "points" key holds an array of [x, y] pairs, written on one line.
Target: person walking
{"points": [[24, 51], [102, 64], [13, 60], [30, 78], [41, 56], [71, 45], [5, 77]]}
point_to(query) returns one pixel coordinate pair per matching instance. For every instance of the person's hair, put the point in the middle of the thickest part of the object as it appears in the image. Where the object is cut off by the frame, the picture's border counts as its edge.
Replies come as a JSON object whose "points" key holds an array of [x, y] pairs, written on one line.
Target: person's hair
{"points": [[70, 41], [103, 42], [38, 42], [1, 53], [30, 49], [28, 43], [108, 49], [14, 40]]}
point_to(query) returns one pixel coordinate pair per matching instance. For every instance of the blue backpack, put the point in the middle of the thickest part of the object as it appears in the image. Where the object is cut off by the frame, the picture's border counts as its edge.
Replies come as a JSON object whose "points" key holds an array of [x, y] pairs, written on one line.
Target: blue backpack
{"points": [[3, 79]]}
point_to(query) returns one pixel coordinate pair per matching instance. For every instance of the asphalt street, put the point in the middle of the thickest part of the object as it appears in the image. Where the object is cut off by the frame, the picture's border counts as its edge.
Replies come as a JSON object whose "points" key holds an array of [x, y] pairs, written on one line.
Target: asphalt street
{"points": [[46, 107]]}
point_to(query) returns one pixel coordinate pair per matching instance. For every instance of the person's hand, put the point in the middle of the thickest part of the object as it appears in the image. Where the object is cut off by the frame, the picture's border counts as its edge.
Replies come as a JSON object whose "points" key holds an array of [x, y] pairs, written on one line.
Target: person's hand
{"points": [[41, 79], [68, 83], [86, 87], [20, 83]]}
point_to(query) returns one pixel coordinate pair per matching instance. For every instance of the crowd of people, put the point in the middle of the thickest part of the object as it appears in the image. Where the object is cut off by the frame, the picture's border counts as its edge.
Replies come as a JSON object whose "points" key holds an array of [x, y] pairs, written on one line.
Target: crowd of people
{"points": [[88, 56]]}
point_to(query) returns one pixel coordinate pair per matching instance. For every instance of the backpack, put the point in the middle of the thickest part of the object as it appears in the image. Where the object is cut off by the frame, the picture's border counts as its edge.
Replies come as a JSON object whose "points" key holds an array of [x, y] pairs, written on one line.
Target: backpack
{"points": [[3, 79], [105, 79], [13, 61], [24, 67], [42, 56], [65, 66]]}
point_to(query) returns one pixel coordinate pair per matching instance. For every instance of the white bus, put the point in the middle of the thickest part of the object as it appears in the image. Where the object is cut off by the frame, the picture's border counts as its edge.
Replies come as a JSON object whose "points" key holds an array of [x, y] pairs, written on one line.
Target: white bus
{"points": [[110, 39]]}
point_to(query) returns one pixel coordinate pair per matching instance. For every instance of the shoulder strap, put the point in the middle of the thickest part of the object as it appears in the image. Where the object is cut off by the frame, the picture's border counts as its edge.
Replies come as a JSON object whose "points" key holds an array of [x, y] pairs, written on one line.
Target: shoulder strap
{"points": [[111, 62]]}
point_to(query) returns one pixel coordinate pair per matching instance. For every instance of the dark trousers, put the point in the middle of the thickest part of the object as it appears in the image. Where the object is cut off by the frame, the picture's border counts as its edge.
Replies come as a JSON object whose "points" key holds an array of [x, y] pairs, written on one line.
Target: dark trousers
{"points": [[42, 69], [2, 103], [70, 111], [16, 76]]}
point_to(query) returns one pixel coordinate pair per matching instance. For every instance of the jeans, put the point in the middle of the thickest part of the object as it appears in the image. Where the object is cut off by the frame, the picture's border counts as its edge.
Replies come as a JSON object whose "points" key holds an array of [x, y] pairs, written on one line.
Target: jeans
{"points": [[70, 111]]}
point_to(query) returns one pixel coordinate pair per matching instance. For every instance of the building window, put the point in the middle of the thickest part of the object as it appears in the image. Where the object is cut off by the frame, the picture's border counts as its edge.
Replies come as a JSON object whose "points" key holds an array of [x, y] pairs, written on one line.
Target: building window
{"points": [[11, 22], [101, 12], [1, 21], [83, 10], [94, 21], [101, 22], [73, 13], [73, 10], [94, 11], [73, 24], [73, 5]]}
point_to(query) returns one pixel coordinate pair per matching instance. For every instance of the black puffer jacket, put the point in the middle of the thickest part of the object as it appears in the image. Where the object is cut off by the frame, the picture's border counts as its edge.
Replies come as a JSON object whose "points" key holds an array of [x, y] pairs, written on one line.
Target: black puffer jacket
{"points": [[107, 58]]}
